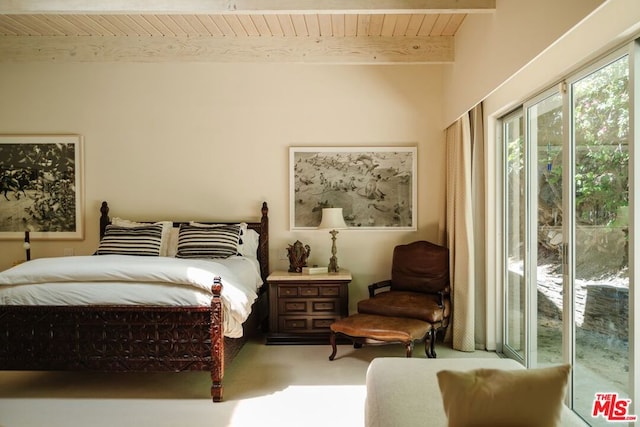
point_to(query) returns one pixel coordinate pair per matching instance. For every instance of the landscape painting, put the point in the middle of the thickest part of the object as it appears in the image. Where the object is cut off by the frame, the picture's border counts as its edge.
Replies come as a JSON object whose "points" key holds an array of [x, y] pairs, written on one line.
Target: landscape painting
{"points": [[41, 186], [375, 187]]}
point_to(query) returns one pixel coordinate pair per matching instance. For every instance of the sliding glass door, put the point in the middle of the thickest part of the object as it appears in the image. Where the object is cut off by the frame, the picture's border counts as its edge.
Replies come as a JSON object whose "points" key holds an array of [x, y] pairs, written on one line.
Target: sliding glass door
{"points": [[566, 228], [515, 221], [600, 142], [547, 154]]}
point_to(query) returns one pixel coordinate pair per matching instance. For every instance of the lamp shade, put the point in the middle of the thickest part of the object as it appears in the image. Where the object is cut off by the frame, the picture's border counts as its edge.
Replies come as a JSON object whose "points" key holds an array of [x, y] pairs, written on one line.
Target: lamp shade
{"points": [[332, 218]]}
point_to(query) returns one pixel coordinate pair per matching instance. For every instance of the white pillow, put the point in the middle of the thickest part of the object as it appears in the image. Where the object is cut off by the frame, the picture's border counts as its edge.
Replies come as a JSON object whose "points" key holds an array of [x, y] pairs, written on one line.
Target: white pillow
{"points": [[250, 243], [166, 230], [172, 246]]}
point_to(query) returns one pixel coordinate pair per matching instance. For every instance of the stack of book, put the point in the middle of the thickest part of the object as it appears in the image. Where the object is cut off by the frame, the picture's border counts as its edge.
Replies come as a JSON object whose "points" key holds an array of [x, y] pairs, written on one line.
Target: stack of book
{"points": [[315, 270]]}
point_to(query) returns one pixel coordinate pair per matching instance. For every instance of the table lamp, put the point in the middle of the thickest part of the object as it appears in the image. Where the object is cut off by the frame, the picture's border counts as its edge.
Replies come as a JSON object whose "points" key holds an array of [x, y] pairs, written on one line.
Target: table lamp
{"points": [[332, 219]]}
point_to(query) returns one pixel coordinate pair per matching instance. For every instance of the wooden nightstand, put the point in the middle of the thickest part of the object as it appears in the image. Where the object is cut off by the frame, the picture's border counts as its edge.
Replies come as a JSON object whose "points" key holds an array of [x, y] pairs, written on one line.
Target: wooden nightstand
{"points": [[303, 306]]}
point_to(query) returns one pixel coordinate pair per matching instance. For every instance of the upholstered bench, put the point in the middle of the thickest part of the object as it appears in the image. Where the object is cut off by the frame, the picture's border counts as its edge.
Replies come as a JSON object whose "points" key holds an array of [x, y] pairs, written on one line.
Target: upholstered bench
{"points": [[404, 392], [374, 329]]}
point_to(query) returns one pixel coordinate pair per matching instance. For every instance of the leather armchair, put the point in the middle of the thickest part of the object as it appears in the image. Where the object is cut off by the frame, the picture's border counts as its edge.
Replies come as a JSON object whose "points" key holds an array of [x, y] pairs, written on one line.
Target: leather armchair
{"points": [[419, 288]]}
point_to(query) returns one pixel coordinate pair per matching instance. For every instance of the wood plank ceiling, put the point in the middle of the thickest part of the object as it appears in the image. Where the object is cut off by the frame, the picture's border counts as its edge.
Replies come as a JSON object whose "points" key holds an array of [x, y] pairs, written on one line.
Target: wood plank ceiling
{"points": [[233, 25], [344, 31]]}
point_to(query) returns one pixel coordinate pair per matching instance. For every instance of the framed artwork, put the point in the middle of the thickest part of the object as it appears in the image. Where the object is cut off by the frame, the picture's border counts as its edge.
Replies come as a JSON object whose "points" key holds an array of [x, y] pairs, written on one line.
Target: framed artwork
{"points": [[41, 186], [375, 187]]}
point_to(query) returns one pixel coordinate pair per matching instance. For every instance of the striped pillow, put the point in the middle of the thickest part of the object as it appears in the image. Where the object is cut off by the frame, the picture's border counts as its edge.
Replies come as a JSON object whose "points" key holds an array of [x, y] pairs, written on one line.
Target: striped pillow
{"points": [[208, 242], [145, 240], [166, 230]]}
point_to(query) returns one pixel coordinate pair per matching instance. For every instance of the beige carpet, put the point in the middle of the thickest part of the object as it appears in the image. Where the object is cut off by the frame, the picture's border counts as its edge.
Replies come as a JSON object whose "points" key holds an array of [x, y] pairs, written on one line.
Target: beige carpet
{"points": [[265, 386]]}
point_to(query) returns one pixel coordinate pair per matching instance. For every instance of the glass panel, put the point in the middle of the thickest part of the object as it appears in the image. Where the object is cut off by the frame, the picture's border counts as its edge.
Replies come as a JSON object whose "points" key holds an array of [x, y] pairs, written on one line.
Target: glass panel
{"points": [[515, 236], [601, 125], [545, 133]]}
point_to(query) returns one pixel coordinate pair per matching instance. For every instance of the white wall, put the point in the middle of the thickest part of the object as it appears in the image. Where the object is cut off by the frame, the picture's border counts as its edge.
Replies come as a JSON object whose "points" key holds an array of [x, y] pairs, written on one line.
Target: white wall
{"points": [[197, 141], [490, 48], [610, 25]]}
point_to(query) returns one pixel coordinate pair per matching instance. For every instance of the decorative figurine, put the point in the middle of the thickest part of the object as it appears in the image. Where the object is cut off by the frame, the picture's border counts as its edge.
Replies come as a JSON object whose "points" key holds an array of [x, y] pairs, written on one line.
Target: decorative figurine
{"points": [[298, 255]]}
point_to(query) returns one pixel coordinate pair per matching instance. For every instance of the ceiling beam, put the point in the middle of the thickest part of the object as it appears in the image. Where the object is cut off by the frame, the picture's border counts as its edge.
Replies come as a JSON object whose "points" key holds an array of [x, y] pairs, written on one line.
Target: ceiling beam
{"points": [[244, 6], [330, 50]]}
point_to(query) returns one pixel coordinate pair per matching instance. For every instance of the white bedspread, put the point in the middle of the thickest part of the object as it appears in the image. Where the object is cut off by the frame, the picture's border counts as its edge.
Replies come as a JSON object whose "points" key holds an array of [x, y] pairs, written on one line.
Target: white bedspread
{"points": [[133, 280]]}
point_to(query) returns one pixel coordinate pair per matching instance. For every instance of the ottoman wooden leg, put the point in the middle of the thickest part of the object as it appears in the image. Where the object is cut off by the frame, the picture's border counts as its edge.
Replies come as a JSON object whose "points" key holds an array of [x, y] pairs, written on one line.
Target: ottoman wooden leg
{"points": [[409, 346], [332, 340]]}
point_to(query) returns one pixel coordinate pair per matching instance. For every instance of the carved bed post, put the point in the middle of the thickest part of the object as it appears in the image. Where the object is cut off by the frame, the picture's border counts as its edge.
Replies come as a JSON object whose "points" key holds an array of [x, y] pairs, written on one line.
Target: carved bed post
{"points": [[264, 242], [217, 341]]}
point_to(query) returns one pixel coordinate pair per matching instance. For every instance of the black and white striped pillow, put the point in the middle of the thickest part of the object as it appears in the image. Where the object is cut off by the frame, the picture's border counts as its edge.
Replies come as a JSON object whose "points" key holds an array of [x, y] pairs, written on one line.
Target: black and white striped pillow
{"points": [[208, 242], [145, 240]]}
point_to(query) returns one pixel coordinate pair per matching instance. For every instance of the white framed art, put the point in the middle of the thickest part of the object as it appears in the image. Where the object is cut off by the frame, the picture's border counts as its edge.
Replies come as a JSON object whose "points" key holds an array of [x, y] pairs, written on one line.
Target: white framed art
{"points": [[41, 189], [374, 186]]}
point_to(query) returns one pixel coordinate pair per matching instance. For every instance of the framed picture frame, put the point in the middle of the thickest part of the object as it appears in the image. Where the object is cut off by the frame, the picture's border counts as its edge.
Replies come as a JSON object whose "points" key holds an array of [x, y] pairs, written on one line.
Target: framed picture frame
{"points": [[41, 188], [374, 186]]}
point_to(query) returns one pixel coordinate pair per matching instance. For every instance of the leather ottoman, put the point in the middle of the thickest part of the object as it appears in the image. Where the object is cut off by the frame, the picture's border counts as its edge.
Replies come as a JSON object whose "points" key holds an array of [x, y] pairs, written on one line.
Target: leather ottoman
{"points": [[374, 329]]}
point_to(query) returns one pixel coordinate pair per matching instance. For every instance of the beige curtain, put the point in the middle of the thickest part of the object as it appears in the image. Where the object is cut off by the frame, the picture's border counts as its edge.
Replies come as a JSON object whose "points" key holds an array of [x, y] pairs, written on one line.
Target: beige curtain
{"points": [[479, 183], [464, 225]]}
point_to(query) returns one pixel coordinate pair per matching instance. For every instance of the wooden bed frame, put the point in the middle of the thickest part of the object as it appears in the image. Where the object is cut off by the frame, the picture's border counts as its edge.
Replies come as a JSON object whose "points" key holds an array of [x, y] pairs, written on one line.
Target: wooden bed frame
{"points": [[130, 338]]}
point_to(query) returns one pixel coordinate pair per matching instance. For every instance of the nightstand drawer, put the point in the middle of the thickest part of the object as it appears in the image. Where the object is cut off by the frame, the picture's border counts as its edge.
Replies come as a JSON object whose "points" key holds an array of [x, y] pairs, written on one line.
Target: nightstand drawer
{"points": [[309, 291], [328, 305], [293, 306], [306, 324], [310, 306], [292, 324], [287, 291], [330, 291]]}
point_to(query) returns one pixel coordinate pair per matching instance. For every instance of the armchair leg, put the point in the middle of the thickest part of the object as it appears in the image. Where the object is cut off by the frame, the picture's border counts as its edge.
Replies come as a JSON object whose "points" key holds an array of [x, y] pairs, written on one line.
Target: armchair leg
{"points": [[430, 344]]}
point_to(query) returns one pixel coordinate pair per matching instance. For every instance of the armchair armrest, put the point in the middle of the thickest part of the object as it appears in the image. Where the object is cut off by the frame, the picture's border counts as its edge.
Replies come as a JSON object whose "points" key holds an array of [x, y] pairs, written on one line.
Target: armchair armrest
{"points": [[445, 292], [378, 285]]}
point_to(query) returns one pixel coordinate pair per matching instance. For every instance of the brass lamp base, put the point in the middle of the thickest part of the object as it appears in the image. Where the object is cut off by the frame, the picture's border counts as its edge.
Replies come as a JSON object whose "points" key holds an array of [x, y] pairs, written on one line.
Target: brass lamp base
{"points": [[333, 265], [333, 261]]}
